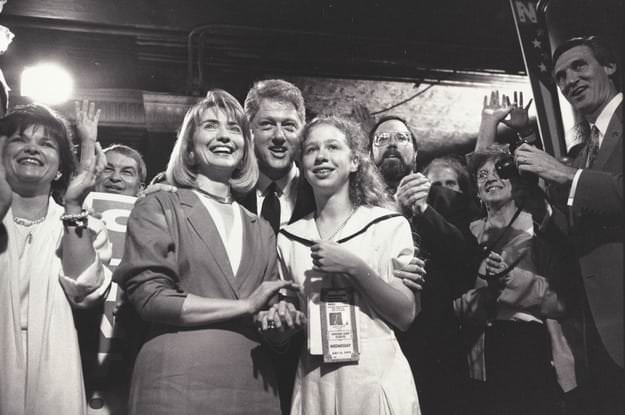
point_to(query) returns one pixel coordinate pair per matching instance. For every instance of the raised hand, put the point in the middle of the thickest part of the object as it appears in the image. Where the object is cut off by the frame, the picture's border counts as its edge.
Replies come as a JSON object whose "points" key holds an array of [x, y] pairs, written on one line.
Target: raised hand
{"points": [[87, 118], [6, 194], [92, 159], [495, 109], [362, 114], [519, 118]]}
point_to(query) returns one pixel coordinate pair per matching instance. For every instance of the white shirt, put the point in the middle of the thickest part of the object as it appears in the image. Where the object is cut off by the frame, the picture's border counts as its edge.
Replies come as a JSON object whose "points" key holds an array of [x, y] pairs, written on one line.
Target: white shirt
{"points": [[287, 193], [602, 123], [233, 241]]}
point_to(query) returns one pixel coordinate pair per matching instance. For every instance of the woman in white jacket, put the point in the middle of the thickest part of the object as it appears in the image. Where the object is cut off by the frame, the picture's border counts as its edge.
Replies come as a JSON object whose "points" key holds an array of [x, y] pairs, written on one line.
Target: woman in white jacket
{"points": [[51, 259]]}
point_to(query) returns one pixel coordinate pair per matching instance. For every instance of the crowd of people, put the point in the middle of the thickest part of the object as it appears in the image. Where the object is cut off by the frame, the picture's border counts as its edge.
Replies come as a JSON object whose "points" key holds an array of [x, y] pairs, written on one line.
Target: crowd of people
{"points": [[283, 266]]}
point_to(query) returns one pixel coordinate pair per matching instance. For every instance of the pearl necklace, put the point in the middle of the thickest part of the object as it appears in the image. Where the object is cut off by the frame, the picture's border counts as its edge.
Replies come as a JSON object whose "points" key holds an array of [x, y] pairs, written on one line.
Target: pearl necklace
{"points": [[226, 200], [27, 222], [338, 229]]}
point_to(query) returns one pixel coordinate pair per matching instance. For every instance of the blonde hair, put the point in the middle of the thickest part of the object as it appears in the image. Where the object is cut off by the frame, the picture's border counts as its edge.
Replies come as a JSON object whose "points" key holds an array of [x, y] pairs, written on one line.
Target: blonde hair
{"points": [[181, 170]]}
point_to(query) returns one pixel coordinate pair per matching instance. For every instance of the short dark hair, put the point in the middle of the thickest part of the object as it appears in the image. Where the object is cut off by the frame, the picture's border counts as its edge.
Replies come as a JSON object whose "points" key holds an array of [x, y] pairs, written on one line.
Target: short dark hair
{"points": [[600, 49], [464, 181], [57, 127], [274, 89], [131, 153], [386, 118]]}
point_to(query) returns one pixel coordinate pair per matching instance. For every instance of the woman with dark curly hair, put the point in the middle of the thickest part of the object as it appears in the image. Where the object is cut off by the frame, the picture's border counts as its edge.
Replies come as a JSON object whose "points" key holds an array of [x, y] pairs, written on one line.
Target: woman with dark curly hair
{"points": [[53, 260], [511, 318], [348, 248]]}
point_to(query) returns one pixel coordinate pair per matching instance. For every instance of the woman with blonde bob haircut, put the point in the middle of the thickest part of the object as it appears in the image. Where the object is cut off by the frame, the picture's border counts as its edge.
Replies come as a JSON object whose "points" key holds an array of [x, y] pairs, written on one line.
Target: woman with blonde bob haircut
{"points": [[181, 169], [197, 267]]}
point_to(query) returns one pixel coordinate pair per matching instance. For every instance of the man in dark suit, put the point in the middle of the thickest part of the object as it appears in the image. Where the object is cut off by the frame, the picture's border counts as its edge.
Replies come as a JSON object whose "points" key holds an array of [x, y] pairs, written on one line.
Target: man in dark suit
{"points": [[276, 112], [593, 188]]}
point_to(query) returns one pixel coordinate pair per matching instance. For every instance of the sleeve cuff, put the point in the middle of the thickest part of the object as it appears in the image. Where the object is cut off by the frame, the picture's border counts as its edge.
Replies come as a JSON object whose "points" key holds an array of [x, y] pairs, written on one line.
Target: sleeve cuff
{"points": [[571, 198], [90, 286]]}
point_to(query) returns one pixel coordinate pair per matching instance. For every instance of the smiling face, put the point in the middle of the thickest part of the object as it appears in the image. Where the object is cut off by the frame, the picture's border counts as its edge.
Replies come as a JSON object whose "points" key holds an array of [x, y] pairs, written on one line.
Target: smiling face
{"points": [[31, 159], [584, 81], [492, 189], [394, 158], [276, 128], [217, 144], [327, 160], [121, 175]]}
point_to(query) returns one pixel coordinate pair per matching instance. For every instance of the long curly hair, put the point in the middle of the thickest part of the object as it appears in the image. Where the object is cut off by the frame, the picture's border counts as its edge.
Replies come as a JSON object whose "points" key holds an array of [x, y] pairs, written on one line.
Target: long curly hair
{"points": [[366, 187]]}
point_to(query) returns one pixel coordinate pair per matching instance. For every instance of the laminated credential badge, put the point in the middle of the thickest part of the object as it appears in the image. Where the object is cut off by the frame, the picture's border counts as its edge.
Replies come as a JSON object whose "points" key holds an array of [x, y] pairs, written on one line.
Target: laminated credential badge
{"points": [[339, 334]]}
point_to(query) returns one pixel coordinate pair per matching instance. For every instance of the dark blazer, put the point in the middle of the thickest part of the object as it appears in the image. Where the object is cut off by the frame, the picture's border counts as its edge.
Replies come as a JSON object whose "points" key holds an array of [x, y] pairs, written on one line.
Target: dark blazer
{"points": [[598, 231], [304, 201], [173, 249]]}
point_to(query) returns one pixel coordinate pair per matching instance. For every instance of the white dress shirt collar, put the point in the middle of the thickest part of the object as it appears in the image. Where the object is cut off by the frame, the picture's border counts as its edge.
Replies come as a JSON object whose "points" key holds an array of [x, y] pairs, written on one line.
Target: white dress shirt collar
{"points": [[603, 120], [285, 183]]}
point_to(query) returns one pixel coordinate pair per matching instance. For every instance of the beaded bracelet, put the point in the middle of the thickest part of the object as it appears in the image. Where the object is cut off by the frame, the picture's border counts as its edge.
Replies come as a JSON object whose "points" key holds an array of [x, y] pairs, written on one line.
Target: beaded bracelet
{"points": [[77, 220]]}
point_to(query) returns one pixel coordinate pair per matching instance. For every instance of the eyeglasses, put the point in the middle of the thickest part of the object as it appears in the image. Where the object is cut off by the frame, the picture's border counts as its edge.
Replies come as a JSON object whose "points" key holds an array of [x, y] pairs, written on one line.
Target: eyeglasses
{"points": [[483, 175], [384, 139]]}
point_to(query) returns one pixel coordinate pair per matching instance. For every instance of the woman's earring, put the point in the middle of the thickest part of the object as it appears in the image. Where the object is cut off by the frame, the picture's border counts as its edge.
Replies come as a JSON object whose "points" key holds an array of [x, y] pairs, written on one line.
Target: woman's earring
{"points": [[58, 176]]}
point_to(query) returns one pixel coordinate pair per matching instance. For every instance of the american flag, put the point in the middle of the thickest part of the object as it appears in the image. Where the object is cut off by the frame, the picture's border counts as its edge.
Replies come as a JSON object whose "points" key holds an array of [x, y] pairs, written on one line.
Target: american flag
{"points": [[534, 40]]}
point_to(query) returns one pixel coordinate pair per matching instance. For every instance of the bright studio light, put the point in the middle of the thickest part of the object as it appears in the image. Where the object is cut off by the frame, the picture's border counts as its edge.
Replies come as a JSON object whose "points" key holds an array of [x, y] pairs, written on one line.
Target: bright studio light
{"points": [[47, 83]]}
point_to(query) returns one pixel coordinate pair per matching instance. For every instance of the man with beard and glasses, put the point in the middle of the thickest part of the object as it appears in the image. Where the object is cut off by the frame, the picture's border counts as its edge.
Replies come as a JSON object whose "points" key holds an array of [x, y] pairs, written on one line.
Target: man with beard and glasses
{"points": [[433, 344]]}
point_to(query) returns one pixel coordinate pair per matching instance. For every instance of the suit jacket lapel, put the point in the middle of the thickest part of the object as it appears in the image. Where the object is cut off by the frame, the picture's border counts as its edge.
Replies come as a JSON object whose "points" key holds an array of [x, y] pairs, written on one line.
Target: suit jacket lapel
{"points": [[201, 221], [614, 133], [305, 201], [249, 201]]}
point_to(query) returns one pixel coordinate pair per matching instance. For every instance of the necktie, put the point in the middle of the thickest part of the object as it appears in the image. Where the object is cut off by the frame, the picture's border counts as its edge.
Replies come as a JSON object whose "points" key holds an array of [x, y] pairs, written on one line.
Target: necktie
{"points": [[593, 146], [271, 207]]}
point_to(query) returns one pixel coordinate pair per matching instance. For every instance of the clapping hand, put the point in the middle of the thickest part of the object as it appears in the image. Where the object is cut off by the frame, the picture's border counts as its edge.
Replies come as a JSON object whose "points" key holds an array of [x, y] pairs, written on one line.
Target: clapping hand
{"points": [[92, 159], [412, 192]]}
